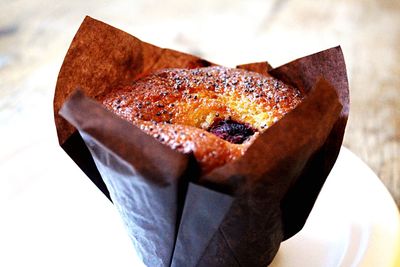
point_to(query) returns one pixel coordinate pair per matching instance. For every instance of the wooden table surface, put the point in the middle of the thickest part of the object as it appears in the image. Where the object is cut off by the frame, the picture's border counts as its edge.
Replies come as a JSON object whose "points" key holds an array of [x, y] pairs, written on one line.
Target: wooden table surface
{"points": [[35, 35]]}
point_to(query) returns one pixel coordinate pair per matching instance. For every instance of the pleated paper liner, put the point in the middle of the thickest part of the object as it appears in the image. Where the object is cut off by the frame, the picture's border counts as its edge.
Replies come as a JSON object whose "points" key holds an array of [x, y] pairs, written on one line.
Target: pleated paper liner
{"points": [[236, 215]]}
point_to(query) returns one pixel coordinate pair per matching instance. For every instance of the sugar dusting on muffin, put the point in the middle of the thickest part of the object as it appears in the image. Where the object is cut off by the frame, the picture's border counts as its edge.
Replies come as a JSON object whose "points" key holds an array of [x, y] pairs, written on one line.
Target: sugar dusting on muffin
{"points": [[196, 110]]}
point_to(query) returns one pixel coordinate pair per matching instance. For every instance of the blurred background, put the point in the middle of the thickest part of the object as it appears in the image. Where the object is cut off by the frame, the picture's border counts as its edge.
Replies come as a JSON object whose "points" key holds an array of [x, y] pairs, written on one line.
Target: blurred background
{"points": [[35, 35]]}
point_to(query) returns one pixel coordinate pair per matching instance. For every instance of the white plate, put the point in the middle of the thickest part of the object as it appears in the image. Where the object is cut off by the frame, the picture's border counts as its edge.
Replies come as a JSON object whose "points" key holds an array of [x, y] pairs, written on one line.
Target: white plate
{"points": [[61, 219]]}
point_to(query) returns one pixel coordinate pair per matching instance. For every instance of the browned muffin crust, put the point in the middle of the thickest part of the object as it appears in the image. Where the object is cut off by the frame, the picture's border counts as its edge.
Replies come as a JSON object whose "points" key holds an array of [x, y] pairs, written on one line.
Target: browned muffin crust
{"points": [[180, 107]]}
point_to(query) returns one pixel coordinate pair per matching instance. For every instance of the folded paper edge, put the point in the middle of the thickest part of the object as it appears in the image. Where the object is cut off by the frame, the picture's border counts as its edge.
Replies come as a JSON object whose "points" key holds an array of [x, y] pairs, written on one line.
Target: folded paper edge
{"points": [[201, 218], [170, 162]]}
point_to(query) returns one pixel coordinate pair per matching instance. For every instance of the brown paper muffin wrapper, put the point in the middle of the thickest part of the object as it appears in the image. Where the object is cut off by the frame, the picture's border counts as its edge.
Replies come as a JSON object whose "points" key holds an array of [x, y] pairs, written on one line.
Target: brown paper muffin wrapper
{"points": [[236, 215]]}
